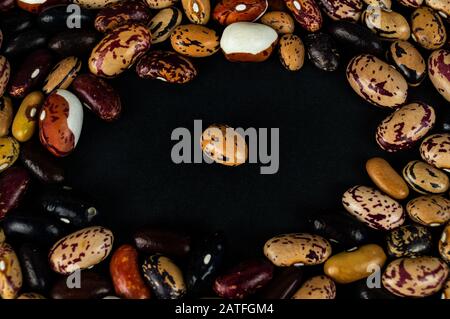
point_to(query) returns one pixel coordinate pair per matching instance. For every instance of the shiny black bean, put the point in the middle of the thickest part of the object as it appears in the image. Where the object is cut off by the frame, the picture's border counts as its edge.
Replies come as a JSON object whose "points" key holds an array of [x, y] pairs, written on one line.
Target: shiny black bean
{"points": [[36, 228], [15, 22], [73, 42], [356, 38], [35, 269], [340, 229], [204, 262], [24, 42], [69, 206], [362, 291], [62, 17], [41, 164], [322, 51]]}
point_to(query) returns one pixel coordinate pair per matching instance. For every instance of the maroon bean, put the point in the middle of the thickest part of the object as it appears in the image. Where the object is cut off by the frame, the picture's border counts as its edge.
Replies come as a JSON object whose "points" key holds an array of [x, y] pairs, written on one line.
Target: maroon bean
{"points": [[31, 73], [166, 242], [244, 279], [92, 286], [98, 96], [13, 185]]}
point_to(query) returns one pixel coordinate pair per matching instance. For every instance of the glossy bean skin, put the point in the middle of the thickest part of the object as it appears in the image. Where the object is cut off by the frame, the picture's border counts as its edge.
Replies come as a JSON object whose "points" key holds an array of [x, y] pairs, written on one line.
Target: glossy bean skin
{"points": [[427, 27], [119, 49], [197, 11], [283, 285], [92, 286], [160, 4], [25, 42], [62, 17], [351, 266], [361, 291], [387, 24], [342, 10], [159, 241], [307, 14], [386, 178], [415, 277], [85, 248], [6, 115], [25, 121], [444, 244], [425, 179], [442, 7], [322, 51], [62, 74], [213, 143], [429, 210], [98, 96], [9, 152], [5, 71], [244, 279], [405, 127], [125, 274], [280, 21], [204, 262], [356, 38], [73, 42], [408, 61], [411, 3], [291, 52], [373, 208], [164, 277], [438, 72], [318, 287], [35, 269], [166, 66], [120, 13], [14, 22], [376, 81], [13, 186], [41, 164], [60, 122], [163, 23], [69, 206], [10, 272], [194, 40], [297, 249], [435, 150], [31, 73], [340, 229], [409, 241], [227, 12], [33, 228]]}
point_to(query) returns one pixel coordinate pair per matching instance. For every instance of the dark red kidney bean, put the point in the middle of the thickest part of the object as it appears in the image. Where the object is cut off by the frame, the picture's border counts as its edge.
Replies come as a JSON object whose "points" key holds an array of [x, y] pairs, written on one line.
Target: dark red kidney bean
{"points": [[361, 291], [6, 5], [120, 13], [244, 279], [24, 42], [283, 285], [98, 96], [36, 272], [322, 51], [41, 164], [59, 18], [73, 42], [69, 206], [204, 262], [16, 21], [356, 38], [92, 286], [31, 73], [340, 229], [25, 227], [13, 185], [159, 241]]}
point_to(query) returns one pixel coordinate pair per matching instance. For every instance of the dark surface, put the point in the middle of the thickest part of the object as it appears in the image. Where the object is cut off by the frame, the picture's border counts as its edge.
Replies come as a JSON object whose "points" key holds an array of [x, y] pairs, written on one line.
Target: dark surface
{"points": [[326, 135]]}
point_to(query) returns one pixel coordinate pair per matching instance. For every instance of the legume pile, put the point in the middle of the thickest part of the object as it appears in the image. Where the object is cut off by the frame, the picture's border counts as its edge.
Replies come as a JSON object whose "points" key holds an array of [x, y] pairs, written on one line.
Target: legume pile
{"points": [[45, 45]]}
